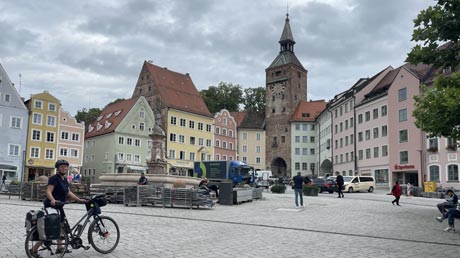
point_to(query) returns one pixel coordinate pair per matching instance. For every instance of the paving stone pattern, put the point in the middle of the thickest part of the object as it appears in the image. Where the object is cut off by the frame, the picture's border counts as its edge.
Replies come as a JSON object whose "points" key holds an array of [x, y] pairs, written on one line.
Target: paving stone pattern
{"points": [[360, 225]]}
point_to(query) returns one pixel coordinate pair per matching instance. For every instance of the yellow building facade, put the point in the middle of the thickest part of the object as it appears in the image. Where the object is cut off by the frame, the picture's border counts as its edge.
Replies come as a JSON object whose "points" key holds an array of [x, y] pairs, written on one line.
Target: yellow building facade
{"points": [[42, 135], [189, 138]]}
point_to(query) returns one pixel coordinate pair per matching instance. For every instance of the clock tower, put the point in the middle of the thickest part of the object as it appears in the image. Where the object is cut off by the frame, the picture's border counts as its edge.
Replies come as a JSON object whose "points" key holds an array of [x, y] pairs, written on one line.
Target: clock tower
{"points": [[286, 86]]}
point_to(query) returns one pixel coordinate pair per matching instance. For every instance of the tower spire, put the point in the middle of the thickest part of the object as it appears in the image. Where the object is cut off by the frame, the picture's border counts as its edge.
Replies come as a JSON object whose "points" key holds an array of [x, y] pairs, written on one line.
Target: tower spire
{"points": [[287, 40]]}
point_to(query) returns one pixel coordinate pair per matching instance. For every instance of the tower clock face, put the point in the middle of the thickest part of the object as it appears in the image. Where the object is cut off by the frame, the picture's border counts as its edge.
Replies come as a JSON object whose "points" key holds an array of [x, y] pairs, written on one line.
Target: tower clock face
{"points": [[277, 88]]}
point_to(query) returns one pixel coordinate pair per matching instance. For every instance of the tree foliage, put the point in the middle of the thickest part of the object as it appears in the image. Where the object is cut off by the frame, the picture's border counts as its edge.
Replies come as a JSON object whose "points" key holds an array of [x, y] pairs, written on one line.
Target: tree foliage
{"points": [[254, 99], [437, 107], [224, 96], [86, 115]]}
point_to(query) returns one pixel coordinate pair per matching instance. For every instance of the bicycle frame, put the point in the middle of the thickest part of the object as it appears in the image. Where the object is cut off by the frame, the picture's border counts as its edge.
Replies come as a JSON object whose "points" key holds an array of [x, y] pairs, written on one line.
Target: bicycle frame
{"points": [[72, 232]]}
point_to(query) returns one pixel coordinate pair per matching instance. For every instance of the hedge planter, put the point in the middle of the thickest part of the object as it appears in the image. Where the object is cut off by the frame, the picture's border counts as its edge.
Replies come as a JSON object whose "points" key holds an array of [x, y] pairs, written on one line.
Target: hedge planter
{"points": [[310, 190], [278, 188]]}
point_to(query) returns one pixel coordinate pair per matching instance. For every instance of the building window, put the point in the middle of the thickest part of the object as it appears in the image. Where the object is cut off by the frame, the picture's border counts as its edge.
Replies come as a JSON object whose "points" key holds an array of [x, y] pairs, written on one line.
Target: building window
{"points": [[384, 150], [191, 124], [304, 127], [34, 152], [452, 172], [37, 119], [402, 94], [351, 122], [368, 153], [375, 113], [172, 137], [200, 141], [182, 155], [312, 138], [384, 130], [360, 136], [297, 139], [224, 132], [173, 120], [36, 135], [172, 154], [192, 140], [49, 136], [257, 160], [230, 146], [230, 134], [297, 151], [258, 137], [433, 144], [245, 148], [376, 132], [208, 128], [182, 122], [141, 126], [403, 157], [368, 134], [181, 138], [217, 143], [403, 137], [403, 115], [297, 166], [38, 104], [434, 173], [200, 126], [381, 176], [49, 154], [137, 143], [376, 152], [7, 97], [258, 149], [75, 137], [64, 135], [297, 127], [15, 122], [312, 151], [217, 130], [129, 157], [304, 151], [13, 150], [360, 118], [74, 153], [208, 142], [121, 140], [63, 152], [368, 115], [129, 141], [383, 110], [192, 156]]}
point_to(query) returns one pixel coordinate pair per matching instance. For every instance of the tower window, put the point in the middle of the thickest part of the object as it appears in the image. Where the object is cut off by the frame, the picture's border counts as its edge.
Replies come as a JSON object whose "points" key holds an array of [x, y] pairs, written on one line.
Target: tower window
{"points": [[277, 73], [299, 75], [273, 110]]}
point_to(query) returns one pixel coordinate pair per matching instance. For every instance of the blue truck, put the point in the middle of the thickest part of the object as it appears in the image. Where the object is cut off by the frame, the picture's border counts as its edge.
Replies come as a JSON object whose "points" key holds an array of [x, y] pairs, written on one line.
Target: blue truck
{"points": [[220, 170]]}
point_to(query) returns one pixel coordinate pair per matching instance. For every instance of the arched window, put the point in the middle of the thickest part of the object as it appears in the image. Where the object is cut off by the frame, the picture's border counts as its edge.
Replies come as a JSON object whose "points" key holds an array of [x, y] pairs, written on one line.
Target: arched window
{"points": [[434, 173], [452, 172]]}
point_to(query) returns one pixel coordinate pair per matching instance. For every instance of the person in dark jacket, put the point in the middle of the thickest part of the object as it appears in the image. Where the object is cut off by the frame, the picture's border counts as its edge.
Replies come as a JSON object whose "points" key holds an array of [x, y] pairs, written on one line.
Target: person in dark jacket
{"points": [[143, 180], [340, 182], [297, 185], [396, 192], [451, 202]]}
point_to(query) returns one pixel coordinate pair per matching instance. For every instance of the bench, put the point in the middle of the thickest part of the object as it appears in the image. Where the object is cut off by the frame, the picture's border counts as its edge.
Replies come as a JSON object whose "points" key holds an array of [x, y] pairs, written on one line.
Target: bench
{"points": [[14, 190]]}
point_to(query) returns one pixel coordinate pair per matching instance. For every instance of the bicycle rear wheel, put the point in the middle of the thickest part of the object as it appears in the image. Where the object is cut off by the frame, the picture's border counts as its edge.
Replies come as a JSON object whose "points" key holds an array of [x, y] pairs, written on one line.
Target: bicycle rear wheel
{"points": [[104, 234], [46, 249]]}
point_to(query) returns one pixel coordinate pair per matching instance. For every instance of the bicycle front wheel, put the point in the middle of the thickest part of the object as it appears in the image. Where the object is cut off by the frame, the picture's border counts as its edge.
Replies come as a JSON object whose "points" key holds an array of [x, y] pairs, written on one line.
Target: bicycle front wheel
{"points": [[46, 248], [104, 234]]}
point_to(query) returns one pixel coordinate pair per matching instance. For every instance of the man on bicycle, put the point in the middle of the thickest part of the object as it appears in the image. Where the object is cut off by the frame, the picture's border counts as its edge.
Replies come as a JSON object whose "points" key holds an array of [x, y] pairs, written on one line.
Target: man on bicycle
{"points": [[57, 190]]}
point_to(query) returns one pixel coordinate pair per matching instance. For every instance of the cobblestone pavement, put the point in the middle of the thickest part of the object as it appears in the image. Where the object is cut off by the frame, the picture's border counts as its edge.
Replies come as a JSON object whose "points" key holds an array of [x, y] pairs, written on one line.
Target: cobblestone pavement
{"points": [[360, 225]]}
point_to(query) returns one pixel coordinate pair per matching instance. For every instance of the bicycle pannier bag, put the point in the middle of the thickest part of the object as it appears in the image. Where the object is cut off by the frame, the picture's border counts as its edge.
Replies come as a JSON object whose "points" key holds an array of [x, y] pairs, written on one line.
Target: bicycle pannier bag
{"points": [[52, 226], [30, 221], [40, 216]]}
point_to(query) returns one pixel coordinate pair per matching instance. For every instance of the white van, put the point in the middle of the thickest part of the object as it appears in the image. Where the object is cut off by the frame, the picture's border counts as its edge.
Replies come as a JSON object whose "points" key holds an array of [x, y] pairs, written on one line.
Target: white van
{"points": [[359, 183], [262, 178]]}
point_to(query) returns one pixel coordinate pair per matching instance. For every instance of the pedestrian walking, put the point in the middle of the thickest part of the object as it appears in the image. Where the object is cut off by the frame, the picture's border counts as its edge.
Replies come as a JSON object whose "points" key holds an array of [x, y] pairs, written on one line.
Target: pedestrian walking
{"points": [[3, 181], [297, 185], [396, 192], [340, 182], [409, 189]]}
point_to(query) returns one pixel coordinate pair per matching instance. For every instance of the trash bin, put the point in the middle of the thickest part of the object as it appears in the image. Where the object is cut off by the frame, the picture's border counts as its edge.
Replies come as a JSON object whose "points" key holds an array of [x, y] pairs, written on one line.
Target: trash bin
{"points": [[226, 193]]}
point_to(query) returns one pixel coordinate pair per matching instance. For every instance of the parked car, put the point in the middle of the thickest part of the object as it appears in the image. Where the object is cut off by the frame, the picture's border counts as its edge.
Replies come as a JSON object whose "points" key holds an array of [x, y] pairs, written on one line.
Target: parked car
{"points": [[325, 185], [359, 183]]}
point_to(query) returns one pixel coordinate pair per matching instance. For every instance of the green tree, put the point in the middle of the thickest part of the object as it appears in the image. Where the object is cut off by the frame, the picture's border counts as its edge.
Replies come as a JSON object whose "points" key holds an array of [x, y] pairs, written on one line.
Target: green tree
{"points": [[86, 115], [225, 95], [437, 107], [254, 99]]}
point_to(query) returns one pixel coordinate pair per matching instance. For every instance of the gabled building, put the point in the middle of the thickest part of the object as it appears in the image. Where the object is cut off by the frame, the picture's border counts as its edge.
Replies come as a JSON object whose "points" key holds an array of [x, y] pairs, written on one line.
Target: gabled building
{"points": [[324, 124], [251, 139], [185, 118], [225, 136], [286, 87], [305, 147], [42, 136], [118, 140], [70, 141], [14, 120]]}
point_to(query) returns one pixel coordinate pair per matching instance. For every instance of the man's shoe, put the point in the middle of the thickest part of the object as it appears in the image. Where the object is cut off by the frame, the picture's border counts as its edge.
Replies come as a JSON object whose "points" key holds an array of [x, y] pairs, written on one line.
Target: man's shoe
{"points": [[440, 219], [339, 197], [449, 229]]}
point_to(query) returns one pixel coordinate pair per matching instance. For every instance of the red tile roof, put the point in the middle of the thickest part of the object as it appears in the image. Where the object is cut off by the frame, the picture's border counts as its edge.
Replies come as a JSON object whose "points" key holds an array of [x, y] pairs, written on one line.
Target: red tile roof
{"points": [[239, 117], [313, 108], [177, 90], [110, 117]]}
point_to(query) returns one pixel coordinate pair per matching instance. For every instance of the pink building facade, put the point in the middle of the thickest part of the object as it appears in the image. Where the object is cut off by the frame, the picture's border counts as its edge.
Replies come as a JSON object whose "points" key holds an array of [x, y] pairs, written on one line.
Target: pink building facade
{"points": [[442, 162], [225, 136], [70, 141]]}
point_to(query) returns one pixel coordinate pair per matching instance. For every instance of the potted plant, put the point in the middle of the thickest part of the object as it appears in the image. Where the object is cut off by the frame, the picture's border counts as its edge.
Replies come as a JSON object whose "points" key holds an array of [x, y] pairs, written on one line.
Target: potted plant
{"points": [[311, 190], [278, 188]]}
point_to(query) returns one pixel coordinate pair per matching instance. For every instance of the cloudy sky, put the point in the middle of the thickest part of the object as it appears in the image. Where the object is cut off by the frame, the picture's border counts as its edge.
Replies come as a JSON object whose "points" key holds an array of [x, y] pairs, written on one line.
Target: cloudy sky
{"points": [[88, 53]]}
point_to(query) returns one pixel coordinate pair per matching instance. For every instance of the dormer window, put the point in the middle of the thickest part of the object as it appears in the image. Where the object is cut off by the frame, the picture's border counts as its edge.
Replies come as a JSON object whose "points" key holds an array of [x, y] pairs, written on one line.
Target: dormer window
{"points": [[109, 115], [117, 113], [90, 128], [99, 118], [98, 127], [305, 114]]}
